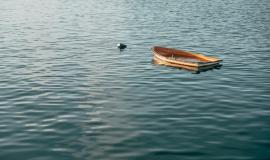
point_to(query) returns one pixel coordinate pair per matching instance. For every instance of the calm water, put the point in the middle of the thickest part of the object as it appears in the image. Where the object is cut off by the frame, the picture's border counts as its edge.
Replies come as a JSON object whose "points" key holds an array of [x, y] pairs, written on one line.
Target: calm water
{"points": [[67, 93]]}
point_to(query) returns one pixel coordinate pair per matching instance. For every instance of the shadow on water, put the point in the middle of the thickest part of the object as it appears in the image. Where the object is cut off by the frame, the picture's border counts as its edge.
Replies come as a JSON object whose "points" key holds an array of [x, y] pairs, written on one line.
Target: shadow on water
{"points": [[194, 70]]}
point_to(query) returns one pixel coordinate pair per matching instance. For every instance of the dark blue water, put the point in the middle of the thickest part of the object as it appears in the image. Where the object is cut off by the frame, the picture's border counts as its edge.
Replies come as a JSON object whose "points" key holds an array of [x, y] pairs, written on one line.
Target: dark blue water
{"points": [[67, 93]]}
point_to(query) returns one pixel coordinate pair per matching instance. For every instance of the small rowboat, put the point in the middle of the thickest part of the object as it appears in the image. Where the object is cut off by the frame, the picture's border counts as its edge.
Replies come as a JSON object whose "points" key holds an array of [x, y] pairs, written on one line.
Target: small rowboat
{"points": [[183, 59]]}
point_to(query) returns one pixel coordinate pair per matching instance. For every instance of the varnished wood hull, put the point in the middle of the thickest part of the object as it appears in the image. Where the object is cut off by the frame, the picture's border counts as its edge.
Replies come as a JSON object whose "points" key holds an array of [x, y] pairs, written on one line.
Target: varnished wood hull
{"points": [[196, 69], [182, 59]]}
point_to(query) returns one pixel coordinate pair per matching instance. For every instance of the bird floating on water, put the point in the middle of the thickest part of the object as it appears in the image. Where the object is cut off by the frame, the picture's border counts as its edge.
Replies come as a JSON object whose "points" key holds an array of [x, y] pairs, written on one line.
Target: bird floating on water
{"points": [[121, 46]]}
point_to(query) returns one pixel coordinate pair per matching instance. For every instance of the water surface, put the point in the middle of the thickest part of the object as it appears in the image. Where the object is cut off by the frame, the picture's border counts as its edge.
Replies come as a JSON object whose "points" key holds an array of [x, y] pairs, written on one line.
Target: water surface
{"points": [[66, 92]]}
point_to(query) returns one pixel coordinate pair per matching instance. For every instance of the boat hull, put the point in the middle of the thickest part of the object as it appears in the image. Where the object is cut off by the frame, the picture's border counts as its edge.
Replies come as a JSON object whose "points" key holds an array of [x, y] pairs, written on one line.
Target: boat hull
{"points": [[186, 67]]}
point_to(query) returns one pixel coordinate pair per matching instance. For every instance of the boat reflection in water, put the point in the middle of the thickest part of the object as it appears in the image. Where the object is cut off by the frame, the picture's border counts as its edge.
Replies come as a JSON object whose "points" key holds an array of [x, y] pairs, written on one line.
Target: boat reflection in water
{"points": [[194, 70]]}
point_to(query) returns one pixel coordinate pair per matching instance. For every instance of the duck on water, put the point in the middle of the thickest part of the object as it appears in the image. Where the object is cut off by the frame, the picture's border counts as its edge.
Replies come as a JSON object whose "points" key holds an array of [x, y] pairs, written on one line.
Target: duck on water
{"points": [[121, 46]]}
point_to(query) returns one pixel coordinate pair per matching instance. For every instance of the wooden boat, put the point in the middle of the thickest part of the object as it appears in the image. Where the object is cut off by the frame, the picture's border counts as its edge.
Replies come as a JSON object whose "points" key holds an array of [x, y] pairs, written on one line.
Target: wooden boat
{"points": [[183, 59]]}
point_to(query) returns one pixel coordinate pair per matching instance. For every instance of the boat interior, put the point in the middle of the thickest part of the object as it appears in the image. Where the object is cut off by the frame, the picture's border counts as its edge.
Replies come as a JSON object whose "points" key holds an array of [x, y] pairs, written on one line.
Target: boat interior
{"points": [[180, 55]]}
